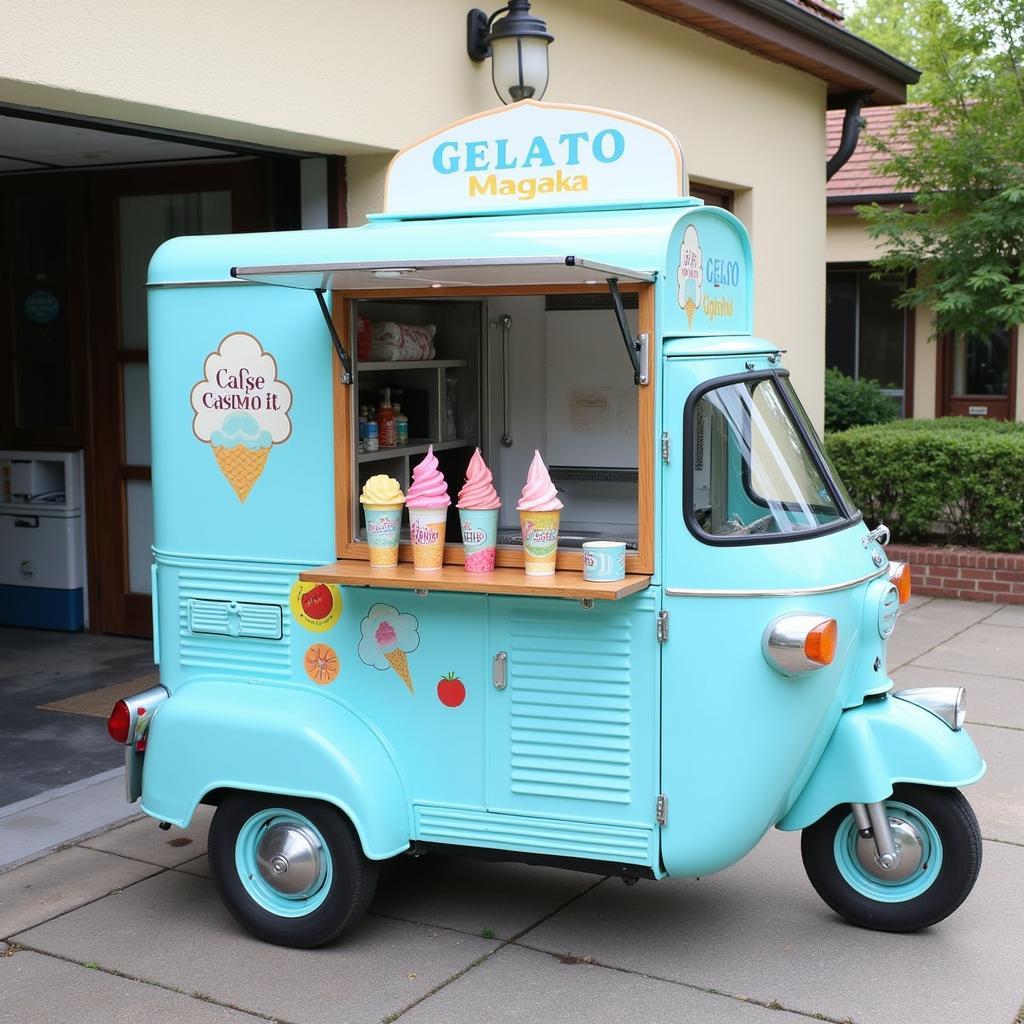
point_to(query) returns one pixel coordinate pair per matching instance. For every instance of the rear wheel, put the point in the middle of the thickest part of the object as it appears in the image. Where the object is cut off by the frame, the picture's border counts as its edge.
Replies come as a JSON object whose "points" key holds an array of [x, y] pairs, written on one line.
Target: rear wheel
{"points": [[937, 865], [291, 870]]}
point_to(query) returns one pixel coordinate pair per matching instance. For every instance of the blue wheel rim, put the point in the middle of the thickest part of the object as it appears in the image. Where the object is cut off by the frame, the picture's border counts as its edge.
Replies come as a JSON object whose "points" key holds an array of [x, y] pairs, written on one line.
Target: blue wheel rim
{"points": [[878, 889], [263, 894]]}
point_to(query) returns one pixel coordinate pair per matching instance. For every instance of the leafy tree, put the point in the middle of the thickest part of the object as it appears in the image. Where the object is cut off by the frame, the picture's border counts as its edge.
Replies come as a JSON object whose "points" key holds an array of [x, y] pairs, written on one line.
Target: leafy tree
{"points": [[962, 156]]}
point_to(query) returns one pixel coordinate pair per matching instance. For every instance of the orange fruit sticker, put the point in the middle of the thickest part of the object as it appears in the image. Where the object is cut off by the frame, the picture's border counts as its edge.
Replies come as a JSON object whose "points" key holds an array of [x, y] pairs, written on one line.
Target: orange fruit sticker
{"points": [[321, 664]]}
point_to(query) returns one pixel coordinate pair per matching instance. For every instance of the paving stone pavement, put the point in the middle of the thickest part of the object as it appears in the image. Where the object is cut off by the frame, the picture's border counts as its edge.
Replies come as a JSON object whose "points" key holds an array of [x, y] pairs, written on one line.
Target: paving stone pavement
{"points": [[127, 926]]}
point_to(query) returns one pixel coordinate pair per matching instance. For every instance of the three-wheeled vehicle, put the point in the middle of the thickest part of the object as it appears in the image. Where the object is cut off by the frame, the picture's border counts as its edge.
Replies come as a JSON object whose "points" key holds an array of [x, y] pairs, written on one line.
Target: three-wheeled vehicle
{"points": [[539, 280]]}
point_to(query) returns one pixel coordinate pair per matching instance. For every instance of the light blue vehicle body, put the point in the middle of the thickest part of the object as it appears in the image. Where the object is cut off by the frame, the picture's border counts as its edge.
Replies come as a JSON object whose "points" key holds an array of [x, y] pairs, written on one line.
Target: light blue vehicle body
{"points": [[599, 719]]}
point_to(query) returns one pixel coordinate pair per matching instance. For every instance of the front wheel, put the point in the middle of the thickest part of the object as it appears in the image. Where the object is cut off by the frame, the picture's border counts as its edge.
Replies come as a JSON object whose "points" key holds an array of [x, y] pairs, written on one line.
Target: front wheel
{"points": [[291, 870], [938, 862]]}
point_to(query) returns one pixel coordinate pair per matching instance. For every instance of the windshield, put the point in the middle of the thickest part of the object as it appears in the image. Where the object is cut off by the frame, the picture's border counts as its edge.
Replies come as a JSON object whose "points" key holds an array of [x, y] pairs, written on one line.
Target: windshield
{"points": [[753, 473]]}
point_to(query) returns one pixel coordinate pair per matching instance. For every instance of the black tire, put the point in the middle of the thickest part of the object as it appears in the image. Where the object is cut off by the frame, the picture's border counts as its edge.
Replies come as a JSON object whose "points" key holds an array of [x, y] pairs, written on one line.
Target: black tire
{"points": [[932, 893], [341, 899]]}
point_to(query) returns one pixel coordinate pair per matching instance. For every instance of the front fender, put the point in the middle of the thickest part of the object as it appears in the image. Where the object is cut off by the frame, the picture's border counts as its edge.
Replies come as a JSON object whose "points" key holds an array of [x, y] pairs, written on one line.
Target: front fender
{"points": [[291, 741], [879, 743]]}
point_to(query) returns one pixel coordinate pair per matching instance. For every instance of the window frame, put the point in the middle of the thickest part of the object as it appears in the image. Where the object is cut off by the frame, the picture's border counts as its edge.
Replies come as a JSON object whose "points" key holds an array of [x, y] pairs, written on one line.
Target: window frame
{"points": [[906, 395], [849, 515]]}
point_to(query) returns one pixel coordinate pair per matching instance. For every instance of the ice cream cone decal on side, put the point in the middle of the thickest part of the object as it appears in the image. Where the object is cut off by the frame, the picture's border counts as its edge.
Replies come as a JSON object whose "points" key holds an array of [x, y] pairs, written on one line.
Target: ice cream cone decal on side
{"points": [[241, 409], [387, 637], [691, 274]]}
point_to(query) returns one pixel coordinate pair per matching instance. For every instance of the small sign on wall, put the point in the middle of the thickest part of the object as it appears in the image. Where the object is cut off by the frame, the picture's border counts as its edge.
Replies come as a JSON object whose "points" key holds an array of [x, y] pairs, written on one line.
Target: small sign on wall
{"points": [[977, 410]]}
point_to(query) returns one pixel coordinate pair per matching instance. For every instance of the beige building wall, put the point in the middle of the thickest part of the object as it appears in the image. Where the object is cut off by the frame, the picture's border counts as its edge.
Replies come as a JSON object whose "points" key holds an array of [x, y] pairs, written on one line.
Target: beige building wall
{"points": [[362, 79]]}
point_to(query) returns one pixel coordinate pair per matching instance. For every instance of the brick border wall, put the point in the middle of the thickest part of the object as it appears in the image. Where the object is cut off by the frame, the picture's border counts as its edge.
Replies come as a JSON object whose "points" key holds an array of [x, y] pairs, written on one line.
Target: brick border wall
{"points": [[964, 573]]}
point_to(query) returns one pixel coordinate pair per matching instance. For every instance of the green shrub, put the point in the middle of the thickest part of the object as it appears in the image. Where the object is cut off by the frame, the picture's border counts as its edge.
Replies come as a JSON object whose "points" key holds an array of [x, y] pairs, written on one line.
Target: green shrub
{"points": [[855, 403], [957, 480]]}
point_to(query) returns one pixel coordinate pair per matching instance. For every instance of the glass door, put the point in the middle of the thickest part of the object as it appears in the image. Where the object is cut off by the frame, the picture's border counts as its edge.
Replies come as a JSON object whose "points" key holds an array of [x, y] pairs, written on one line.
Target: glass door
{"points": [[138, 211]]}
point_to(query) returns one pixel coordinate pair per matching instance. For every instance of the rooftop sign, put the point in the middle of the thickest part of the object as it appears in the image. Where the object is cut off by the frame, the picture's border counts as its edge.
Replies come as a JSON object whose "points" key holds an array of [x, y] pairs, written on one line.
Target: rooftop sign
{"points": [[531, 156]]}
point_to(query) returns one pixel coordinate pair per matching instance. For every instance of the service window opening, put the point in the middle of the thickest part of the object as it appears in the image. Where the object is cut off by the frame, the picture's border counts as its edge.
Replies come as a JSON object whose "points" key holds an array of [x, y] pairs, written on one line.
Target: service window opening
{"points": [[510, 374]]}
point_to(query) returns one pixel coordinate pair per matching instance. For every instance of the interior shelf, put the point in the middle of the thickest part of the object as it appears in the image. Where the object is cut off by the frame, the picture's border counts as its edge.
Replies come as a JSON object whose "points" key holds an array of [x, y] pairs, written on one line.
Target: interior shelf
{"points": [[416, 448], [416, 364], [572, 585]]}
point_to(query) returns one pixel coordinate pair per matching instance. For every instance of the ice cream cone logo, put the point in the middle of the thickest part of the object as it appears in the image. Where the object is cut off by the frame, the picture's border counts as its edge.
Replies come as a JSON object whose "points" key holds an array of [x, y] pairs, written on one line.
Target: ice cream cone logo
{"points": [[387, 637], [241, 409], [691, 274]]}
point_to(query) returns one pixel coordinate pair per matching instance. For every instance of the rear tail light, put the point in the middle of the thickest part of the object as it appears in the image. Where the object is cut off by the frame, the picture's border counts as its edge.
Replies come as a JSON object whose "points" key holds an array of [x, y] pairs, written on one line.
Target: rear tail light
{"points": [[795, 644], [899, 576], [129, 721], [119, 724]]}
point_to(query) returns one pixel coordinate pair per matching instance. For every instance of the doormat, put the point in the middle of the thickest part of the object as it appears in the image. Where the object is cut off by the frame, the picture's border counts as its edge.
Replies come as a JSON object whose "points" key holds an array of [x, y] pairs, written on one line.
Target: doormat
{"points": [[98, 703]]}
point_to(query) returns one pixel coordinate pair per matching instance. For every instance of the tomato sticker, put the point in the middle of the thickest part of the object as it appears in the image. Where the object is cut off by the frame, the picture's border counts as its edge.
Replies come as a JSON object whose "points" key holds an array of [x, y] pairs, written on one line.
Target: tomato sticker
{"points": [[315, 606]]}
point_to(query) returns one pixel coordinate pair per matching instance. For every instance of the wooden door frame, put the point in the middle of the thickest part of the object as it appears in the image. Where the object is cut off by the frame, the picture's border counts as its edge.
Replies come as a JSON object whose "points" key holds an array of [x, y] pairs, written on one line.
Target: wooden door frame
{"points": [[944, 376], [112, 607]]}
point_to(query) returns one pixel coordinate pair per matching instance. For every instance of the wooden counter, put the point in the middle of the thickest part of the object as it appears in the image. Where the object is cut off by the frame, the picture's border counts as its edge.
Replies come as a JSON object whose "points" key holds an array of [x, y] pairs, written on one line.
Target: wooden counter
{"points": [[572, 585]]}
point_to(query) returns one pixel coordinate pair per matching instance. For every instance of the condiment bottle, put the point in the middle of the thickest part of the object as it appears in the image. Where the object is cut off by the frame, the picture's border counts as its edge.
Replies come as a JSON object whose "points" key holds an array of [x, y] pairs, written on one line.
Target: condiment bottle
{"points": [[401, 426], [386, 422], [370, 441]]}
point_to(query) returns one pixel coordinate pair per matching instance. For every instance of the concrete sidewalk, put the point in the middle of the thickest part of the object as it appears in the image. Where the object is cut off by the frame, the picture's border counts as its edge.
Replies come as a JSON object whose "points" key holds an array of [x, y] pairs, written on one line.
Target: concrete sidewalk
{"points": [[126, 926]]}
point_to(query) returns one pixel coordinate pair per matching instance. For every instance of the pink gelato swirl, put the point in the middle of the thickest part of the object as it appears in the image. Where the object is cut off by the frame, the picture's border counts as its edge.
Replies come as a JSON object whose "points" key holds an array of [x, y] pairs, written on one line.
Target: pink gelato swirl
{"points": [[478, 491], [386, 635], [428, 489], [539, 494]]}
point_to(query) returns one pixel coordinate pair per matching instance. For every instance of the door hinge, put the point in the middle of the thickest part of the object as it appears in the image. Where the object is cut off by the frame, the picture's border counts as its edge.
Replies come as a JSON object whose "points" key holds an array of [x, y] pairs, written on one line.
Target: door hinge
{"points": [[662, 627], [664, 446], [661, 809]]}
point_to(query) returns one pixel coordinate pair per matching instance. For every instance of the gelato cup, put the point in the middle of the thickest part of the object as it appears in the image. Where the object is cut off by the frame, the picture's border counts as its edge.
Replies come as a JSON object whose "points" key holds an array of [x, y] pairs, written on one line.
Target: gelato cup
{"points": [[539, 513], [479, 537], [540, 541], [382, 504], [478, 514], [426, 528], [383, 528]]}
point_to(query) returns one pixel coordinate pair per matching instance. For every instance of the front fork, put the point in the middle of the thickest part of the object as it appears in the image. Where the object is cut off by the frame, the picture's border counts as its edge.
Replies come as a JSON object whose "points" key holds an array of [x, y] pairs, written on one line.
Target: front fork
{"points": [[873, 823]]}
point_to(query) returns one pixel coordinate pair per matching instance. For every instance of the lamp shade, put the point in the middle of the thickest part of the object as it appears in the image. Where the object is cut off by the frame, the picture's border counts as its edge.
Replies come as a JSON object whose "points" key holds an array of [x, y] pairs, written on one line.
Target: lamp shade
{"points": [[519, 67]]}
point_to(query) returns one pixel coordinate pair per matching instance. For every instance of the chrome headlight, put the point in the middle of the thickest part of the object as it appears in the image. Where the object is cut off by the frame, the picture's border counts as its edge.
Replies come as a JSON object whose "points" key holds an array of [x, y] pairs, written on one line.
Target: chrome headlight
{"points": [[946, 702]]}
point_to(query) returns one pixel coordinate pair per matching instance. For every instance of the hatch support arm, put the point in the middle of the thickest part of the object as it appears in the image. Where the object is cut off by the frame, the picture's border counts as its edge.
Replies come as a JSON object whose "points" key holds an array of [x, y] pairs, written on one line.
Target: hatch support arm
{"points": [[346, 363], [636, 348]]}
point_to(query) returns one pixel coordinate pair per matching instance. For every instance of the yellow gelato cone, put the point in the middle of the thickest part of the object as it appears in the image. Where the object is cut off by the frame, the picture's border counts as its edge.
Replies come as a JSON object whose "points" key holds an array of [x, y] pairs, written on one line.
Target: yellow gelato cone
{"points": [[241, 466], [400, 663], [690, 308]]}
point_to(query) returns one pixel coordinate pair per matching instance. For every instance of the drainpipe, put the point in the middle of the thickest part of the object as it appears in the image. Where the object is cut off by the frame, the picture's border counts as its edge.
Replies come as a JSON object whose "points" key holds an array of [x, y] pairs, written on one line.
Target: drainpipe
{"points": [[852, 124]]}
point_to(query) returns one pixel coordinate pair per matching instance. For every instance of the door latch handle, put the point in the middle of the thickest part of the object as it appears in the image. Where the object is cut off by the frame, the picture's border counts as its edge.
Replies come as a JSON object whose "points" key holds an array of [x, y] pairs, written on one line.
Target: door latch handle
{"points": [[500, 670]]}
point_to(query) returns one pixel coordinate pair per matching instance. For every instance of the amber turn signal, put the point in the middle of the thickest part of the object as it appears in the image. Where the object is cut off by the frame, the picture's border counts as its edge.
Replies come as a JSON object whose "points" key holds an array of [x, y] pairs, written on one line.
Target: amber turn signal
{"points": [[820, 644], [899, 576]]}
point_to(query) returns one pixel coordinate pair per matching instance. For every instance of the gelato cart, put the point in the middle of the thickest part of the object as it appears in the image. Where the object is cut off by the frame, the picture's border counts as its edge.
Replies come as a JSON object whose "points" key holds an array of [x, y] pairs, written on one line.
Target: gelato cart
{"points": [[491, 529]]}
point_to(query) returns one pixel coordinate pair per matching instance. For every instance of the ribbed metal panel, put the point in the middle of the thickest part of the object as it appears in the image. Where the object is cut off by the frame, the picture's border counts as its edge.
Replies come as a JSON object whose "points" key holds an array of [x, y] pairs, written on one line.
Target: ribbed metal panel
{"points": [[261, 647], [569, 687], [490, 829], [233, 618]]}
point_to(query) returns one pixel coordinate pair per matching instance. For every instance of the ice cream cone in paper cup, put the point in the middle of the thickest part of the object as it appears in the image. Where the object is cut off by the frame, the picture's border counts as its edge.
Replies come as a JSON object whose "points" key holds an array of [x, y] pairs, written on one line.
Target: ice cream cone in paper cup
{"points": [[427, 501], [382, 502], [539, 513], [478, 516]]}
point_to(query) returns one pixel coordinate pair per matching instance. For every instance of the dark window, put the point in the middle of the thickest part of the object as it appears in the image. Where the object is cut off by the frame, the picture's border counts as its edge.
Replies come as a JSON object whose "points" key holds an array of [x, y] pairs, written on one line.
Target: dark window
{"points": [[865, 332], [713, 196]]}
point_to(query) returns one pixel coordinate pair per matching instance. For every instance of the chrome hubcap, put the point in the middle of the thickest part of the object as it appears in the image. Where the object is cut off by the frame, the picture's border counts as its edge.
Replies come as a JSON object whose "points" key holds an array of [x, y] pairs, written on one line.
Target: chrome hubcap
{"points": [[909, 853], [290, 859]]}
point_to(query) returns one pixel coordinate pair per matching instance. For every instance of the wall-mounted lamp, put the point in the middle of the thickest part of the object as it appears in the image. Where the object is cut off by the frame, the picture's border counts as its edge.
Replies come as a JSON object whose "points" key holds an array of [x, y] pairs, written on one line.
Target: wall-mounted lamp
{"points": [[518, 47]]}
